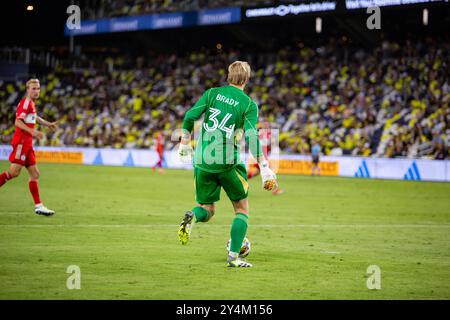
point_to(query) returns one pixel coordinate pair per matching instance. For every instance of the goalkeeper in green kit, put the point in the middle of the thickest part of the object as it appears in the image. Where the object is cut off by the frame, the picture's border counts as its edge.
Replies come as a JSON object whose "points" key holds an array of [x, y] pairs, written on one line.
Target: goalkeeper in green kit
{"points": [[229, 114]]}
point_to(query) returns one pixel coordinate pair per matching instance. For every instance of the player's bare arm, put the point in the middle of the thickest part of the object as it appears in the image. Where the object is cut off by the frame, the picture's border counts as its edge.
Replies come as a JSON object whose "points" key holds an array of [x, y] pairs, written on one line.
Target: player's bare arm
{"points": [[21, 125], [52, 125]]}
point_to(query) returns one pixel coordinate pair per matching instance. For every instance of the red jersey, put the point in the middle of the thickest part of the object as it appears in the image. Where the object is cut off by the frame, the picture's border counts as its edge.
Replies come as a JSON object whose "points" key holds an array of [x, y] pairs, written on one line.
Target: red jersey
{"points": [[26, 110], [160, 144], [265, 136]]}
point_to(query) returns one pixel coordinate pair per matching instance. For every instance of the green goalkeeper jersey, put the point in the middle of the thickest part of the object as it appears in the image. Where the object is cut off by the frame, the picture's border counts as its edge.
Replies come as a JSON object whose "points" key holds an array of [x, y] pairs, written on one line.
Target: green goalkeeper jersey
{"points": [[228, 115]]}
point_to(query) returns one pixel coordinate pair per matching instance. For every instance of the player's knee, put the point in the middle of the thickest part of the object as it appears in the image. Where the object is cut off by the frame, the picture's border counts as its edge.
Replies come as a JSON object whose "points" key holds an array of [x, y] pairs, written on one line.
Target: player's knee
{"points": [[241, 209], [35, 175], [241, 206]]}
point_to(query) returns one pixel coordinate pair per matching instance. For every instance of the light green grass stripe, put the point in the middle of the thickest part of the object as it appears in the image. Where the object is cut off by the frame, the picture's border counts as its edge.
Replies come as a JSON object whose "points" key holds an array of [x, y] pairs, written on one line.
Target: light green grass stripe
{"points": [[227, 226]]}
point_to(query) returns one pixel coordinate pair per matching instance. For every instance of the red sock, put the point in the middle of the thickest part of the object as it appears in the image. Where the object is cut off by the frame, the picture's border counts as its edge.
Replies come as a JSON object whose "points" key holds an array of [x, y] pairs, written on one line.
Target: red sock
{"points": [[4, 177], [34, 189]]}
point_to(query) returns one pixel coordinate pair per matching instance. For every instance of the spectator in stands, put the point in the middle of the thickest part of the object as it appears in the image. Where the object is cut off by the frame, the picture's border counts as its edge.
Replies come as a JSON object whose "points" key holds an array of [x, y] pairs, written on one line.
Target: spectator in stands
{"points": [[440, 151], [392, 100]]}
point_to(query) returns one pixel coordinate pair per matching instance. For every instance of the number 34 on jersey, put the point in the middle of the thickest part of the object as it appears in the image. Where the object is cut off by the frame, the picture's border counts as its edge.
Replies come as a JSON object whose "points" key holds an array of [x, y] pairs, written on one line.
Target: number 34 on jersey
{"points": [[222, 125]]}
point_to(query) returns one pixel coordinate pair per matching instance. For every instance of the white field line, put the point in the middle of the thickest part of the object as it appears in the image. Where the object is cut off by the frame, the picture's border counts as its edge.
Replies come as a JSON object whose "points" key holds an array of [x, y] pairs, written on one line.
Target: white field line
{"points": [[394, 226]]}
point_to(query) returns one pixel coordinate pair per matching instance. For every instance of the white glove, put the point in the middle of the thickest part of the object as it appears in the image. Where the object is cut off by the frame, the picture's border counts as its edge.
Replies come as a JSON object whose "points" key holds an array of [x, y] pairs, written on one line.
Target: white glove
{"points": [[269, 178], [185, 152]]}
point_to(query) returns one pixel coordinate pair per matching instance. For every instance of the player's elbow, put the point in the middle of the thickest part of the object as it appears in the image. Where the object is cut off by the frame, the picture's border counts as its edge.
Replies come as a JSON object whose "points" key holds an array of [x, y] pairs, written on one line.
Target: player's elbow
{"points": [[19, 123], [251, 134]]}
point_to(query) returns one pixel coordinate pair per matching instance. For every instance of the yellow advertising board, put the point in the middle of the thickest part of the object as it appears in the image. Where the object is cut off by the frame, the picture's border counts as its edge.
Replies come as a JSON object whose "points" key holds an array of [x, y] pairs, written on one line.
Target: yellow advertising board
{"points": [[327, 168], [59, 157]]}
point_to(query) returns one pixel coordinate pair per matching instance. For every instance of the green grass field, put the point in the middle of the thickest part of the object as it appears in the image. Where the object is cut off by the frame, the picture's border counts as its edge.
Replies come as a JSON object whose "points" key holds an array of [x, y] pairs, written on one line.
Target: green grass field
{"points": [[316, 241]]}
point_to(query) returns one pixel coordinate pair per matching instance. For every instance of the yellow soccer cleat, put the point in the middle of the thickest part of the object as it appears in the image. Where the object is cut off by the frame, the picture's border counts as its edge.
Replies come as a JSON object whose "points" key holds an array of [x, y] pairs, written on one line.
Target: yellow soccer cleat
{"points": [[185, 229]]}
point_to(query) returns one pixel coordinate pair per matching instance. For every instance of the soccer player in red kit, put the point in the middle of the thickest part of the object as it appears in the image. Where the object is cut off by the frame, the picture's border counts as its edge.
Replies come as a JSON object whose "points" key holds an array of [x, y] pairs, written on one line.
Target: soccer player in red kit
{"points": [[22, 142], [160, 150], [265, 137]]}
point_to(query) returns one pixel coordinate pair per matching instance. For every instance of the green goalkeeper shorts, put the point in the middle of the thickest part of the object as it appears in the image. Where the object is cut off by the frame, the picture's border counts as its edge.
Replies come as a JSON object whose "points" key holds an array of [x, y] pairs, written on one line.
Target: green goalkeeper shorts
{"points": [[208, 185]]}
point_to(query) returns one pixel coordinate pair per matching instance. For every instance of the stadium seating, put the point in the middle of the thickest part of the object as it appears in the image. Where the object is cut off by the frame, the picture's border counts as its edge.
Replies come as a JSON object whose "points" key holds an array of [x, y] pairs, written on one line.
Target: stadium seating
{"points": [[96, 9], [392, 100]]}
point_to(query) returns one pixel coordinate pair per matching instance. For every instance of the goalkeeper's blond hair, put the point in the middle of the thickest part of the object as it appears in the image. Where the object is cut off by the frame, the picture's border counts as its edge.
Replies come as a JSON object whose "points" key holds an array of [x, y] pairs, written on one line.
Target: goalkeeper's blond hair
{"points": [[239, 73], [31, 81]]}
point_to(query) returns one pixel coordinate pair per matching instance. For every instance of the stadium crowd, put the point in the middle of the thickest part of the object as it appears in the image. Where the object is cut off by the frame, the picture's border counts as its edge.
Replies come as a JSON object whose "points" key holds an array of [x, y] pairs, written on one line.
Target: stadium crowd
{"points": [[392, 100], [97, 9]]}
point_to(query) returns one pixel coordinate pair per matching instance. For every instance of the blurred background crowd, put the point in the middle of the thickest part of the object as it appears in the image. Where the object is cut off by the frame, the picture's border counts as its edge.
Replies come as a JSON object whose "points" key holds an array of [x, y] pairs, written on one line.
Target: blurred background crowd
{"points": [[387, 98], [391, 101], [97, 9]]}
